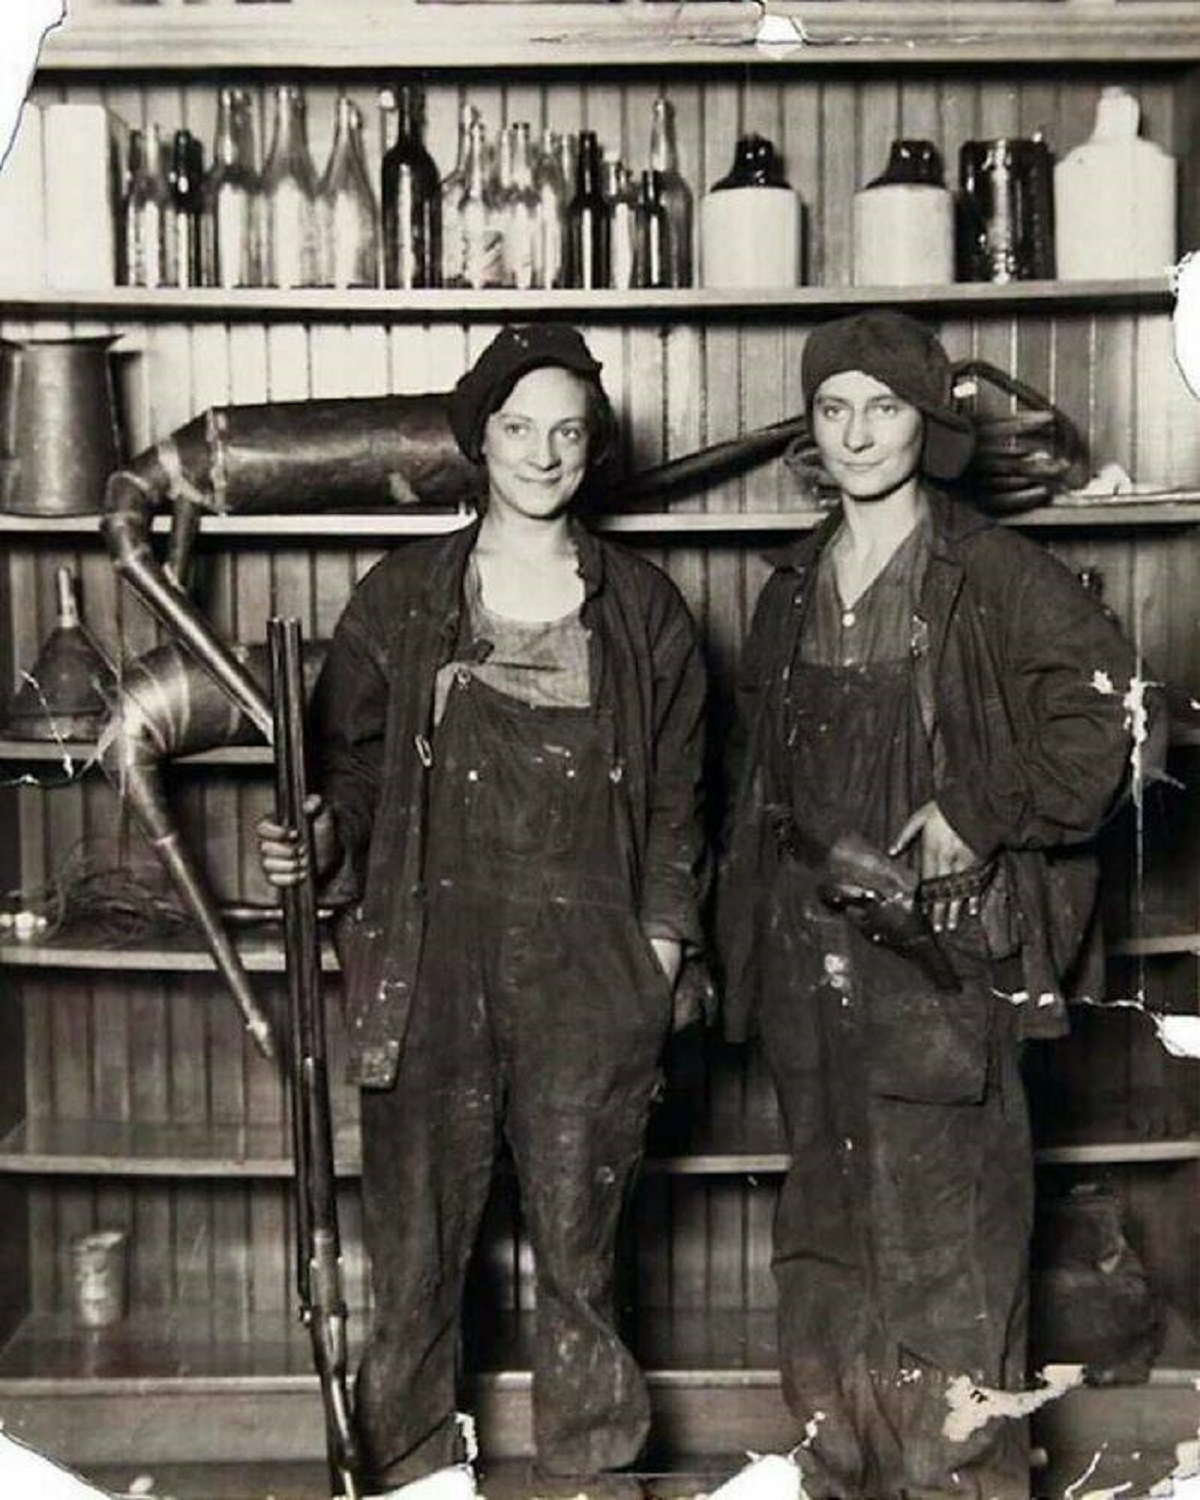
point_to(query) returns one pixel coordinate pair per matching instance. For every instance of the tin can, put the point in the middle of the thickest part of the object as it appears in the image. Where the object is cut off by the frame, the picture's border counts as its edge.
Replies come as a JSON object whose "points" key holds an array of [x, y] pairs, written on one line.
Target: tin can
{"points": [[1006, 230], [99, 1277]]}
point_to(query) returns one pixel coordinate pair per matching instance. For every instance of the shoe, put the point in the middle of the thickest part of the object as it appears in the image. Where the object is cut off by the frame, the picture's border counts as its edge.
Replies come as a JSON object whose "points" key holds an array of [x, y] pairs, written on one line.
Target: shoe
{"points": [[456, 1482], [610, 1486]]}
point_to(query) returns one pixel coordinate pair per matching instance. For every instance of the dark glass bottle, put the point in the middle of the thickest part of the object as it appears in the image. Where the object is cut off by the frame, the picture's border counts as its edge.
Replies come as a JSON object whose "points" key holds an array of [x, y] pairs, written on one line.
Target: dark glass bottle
{"points": [[587, 219], [673, 191], [185, 178], [653, 261], [412, 201]]}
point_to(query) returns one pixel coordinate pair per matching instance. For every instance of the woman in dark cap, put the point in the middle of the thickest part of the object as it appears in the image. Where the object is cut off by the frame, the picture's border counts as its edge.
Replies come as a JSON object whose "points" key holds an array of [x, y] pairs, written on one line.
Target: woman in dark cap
{"points": [[924, 760], [510, 723]]}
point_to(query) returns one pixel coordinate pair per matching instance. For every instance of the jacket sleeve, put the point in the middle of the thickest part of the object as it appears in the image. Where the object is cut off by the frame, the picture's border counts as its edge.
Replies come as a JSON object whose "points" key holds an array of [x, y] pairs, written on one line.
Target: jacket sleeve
{"points": [[675, 870], [1065, 670], [348, 717]]}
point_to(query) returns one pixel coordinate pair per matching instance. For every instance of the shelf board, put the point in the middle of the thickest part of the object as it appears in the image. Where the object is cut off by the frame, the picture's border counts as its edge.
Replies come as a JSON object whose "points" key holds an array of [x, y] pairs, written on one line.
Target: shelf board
{"points": [[262, 952], [637, 34], [191, 1349], [1179, 508], [466, 305], [124, 1149], [82, 754]]}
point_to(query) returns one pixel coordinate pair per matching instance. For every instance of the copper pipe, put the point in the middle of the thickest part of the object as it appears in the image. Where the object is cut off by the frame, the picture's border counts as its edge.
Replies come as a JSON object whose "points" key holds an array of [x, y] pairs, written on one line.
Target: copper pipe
{"points": [[168, 704]]}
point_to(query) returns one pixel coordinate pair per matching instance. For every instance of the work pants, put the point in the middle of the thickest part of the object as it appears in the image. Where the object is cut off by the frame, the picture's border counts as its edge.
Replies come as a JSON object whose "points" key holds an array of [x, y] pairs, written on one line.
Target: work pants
{"points": [[539, 1016]]}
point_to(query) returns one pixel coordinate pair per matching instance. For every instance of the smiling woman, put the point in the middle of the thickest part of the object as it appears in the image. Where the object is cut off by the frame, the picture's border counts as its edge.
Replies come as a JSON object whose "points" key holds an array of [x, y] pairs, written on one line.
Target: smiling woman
{"points": [[510, 721]]}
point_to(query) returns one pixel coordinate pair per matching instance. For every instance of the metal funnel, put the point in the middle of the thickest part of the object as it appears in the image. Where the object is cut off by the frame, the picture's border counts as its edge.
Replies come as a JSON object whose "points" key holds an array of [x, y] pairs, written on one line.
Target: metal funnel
{"points": [[61, 696]]}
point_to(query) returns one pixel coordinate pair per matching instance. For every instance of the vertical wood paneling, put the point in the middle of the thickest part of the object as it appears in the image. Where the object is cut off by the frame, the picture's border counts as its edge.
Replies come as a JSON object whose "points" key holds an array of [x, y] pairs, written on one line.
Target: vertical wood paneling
{"points": [[155, 1051]]}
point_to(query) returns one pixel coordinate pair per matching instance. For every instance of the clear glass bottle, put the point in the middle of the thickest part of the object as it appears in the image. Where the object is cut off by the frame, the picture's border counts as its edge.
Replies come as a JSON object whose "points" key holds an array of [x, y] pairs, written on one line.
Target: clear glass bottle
{"points": [[185, 182], [587, 219], [519, 208], [231, 202], [619, 198], [478, 221], [412, 201], [452, 190], [674, 191], [290, 243], [652, 265], [348, 218], [144, 212], [551, 191]]}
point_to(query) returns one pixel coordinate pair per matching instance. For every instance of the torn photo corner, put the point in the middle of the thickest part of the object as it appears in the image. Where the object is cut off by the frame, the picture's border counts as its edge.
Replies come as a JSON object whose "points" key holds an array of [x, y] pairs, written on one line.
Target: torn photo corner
{"points": [[23, 28]]}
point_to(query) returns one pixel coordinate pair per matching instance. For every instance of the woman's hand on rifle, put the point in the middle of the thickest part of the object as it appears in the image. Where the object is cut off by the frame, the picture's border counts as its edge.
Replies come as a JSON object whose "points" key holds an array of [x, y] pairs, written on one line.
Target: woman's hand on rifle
{"points": [[283, 854]]}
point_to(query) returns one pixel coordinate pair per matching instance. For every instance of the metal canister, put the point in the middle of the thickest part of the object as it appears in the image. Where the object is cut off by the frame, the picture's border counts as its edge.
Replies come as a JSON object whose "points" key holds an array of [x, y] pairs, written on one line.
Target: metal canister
{"points": [[60, 435], [1005, 210]]}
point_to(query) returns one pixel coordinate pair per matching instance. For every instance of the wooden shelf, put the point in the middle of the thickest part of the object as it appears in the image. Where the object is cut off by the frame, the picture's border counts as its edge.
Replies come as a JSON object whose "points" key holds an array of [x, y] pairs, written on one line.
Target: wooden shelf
{"points": [[866, 33], [189, 1347], [262, 952], [1179, 508], [82, 754], [58, 1148], [308, 304]]}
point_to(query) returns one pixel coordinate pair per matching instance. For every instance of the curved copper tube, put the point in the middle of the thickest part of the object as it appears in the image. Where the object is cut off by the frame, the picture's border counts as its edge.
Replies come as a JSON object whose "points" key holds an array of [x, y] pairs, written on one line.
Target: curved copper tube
{"points": [[330, 455], [168, 704], [338, 454]]}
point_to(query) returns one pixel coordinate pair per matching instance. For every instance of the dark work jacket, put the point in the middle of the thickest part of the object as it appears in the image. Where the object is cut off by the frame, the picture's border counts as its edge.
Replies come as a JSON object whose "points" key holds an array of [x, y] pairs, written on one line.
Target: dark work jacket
{"points": [[373, 734], [1034, 746]]}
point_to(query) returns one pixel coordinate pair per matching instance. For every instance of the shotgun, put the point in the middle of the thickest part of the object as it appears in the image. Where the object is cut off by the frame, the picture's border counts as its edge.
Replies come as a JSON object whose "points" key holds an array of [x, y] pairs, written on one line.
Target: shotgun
{"points": [[318, 1245]]}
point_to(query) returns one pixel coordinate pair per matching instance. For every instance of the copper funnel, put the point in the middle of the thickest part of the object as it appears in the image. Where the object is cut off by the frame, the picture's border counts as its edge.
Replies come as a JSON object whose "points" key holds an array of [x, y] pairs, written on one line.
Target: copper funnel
{"points": [[61, 696]]}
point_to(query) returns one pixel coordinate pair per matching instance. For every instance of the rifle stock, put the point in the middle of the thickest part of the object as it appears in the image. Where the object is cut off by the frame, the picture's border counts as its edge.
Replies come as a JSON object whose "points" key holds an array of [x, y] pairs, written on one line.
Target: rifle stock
{"points": [[318, 1244]]}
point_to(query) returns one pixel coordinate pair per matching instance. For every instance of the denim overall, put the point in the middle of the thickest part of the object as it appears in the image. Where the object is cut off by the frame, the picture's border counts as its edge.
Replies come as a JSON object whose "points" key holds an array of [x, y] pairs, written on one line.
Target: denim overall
{"points": [[901, 1234], [539, 1016]]}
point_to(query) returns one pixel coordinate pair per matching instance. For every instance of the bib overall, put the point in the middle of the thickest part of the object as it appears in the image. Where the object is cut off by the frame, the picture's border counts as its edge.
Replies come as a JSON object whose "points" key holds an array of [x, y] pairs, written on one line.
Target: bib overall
{"points": [[539, 1015], [901, 1233]]}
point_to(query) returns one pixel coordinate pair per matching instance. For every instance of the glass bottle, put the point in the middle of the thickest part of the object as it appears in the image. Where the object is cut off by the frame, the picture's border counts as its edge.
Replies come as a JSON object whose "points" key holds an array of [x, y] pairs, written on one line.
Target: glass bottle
{"points": [[185, 182], [482, 242], [144, 212], [452, 190], [652, 266], [587, 219], [290, 246], [519, 208], [412, 201], [347, 216], [551, 194], [230, 202], [675, 194], [618, 195]]}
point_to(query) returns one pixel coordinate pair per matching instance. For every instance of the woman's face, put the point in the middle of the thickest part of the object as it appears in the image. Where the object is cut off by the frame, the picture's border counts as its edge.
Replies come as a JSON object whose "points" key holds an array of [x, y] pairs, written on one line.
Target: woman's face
{"points": [[869, 438], [535, 445]]}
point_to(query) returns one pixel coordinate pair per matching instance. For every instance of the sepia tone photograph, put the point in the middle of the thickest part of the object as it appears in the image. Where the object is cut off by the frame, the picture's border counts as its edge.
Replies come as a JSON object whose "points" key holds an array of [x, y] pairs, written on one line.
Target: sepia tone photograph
{"points": [[600, 737]]}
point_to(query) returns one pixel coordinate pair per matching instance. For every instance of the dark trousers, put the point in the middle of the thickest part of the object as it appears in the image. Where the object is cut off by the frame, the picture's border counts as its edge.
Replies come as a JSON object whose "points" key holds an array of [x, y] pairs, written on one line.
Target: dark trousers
{"points": [[539, 1015], [901, 1238]]}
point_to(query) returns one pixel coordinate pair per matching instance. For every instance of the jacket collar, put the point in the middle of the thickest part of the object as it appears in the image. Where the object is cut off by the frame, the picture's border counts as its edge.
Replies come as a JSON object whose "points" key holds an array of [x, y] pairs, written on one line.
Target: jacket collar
{"points": [[953, 521]]}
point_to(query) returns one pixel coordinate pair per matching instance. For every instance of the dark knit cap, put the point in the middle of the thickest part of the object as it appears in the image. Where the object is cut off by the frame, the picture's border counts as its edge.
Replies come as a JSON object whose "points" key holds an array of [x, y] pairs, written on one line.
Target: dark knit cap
{"points": [[908, 359], [513, 353]]}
